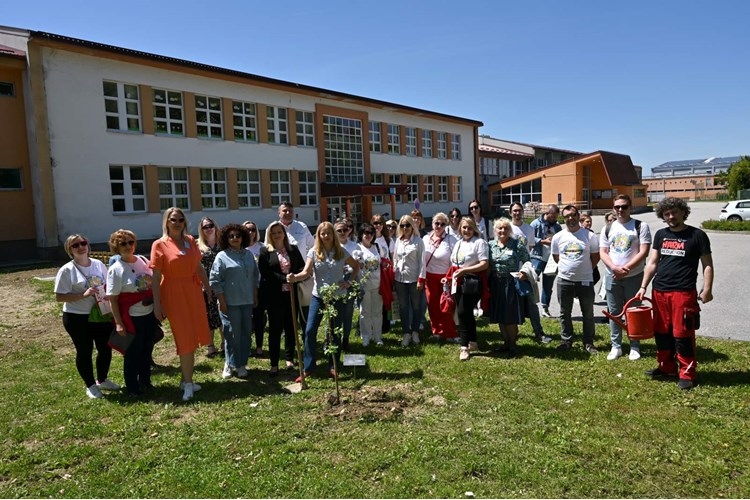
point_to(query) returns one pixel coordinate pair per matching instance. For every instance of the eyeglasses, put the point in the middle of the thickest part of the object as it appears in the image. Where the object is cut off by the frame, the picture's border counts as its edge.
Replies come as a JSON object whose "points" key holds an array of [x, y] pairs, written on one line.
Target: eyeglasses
{"points": [[475, 207], [438, 224], [621, 207], [405, 226], [368, 233], [175, 221], [129, 243], [252, 229], [77, 244], [208, 226], [234, 236]]}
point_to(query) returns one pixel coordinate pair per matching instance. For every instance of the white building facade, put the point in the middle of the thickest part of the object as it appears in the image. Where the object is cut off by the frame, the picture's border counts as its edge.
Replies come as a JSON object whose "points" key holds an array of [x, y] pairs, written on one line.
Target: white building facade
{"points": [[116, 136]]}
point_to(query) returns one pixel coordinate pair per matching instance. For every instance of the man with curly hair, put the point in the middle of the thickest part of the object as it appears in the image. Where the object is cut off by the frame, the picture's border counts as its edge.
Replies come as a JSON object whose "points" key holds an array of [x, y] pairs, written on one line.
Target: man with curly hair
{"points": [[673, 265]]}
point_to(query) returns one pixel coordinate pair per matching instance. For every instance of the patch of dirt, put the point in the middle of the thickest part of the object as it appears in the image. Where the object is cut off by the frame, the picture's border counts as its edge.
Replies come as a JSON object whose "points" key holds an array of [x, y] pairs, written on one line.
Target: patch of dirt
{"points": [[376, 404], [27, 314]]}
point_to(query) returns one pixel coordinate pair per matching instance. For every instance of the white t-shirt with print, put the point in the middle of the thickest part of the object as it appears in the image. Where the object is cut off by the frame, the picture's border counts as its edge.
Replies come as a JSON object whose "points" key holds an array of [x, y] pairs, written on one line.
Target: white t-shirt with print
{"points": [[468, 253], [130, 277], [524, 233], [574, 250], [624, 244], [72, 278]]}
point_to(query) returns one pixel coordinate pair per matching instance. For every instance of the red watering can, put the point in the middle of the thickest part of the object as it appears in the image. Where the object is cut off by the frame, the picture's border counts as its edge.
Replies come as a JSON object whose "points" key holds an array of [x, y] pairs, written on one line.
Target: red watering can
{"points": [[639, 324]]}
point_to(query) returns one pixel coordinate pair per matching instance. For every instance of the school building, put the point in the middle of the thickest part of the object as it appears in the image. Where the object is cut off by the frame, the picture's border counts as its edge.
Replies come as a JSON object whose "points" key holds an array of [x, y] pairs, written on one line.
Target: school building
{"points": [[97, 137]]}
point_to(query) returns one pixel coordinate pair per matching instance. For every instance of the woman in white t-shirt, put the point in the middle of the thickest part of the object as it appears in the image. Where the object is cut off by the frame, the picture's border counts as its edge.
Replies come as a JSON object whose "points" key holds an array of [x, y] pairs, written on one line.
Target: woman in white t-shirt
{"points": [[436, 261], [78, 284], [369, 254], [471, 258], [129, 291], [407, 264]]}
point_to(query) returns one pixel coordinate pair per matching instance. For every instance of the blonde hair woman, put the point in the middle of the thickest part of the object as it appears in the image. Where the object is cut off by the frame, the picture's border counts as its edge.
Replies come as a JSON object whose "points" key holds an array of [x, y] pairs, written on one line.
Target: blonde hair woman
{"points": [[178, 277], [407, 263], [208, 243]]}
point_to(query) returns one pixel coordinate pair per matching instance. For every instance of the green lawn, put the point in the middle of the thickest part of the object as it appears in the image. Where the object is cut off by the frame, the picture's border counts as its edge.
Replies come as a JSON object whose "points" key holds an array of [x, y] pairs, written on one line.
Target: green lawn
{"points": [[543, 425]]}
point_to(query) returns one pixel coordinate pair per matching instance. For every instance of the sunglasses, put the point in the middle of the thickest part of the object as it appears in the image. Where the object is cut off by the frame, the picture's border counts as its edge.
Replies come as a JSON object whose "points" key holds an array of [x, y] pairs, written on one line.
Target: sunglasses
{"points": [[622, 207], [208, 226], [475, 207], [369, 233], [127, 243], [252, 229], [341, 231], [454, 216], [405, 226], [377, 223], [350, 226], [175, 221], [78, 244], [234, 236], [438, 224]]}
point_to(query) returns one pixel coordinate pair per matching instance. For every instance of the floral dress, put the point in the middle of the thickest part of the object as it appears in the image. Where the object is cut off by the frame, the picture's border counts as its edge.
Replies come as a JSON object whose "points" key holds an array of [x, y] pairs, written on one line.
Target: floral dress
{"points": [[212, 308]]}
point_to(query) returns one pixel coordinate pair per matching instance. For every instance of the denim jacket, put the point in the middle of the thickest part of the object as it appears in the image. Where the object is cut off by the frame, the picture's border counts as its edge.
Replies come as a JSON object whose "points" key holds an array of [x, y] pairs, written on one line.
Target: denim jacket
{"points": [[542, 229]]}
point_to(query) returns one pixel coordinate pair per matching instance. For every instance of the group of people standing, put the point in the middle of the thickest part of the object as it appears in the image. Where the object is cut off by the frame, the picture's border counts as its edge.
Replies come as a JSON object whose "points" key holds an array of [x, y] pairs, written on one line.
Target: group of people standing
{"points": [[231, 281]]}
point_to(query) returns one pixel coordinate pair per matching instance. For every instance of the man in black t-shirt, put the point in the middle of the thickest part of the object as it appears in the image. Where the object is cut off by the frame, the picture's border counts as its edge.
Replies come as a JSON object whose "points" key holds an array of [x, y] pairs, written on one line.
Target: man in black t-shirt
{"points": [[677, 249]]}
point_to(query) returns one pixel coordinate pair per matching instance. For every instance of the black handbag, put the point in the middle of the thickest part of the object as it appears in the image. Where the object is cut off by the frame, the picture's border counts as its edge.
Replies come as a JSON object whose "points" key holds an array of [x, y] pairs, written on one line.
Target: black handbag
{"points": [[471, 285]]}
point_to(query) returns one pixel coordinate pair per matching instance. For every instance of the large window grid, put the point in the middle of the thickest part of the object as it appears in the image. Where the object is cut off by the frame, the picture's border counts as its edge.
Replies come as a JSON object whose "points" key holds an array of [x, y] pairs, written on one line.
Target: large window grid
{"points": [[428, 189], [442, 146], [122, 106], [443, 188], [337, 208], [168, 112], [213, 188], [173, 188], [208, 117], [427, 143], [305, 128], [344, 152], [413, 182], [128, 189], [308, 188], [248, 188], [276, 123], [245, 121], [411, 141], [522, 193], [394, 139], [376, 143], [455, 146], [280, 187], [377, 180]]}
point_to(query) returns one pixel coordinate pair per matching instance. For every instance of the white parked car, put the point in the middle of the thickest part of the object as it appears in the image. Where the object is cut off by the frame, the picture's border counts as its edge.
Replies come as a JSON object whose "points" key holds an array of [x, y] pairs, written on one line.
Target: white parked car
{"points": [[736, 210]]}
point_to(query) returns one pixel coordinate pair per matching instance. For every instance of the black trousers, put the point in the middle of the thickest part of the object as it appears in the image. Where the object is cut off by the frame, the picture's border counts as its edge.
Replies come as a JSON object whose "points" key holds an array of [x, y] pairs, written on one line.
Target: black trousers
{"points": [[85, 336]]}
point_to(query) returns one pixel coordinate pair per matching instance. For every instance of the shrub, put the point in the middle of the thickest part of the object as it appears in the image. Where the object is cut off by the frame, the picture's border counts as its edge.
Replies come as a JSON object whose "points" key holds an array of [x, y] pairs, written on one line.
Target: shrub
{"points": [[726, 225]]}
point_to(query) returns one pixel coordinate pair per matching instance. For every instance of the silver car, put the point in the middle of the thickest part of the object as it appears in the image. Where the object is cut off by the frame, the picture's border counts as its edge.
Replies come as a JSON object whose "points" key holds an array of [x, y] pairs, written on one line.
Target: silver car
{"points": [[736, 211]]}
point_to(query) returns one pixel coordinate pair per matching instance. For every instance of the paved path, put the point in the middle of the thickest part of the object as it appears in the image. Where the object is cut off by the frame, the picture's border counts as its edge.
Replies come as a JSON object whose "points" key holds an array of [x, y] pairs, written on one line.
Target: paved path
{"points": [[726, 316]]}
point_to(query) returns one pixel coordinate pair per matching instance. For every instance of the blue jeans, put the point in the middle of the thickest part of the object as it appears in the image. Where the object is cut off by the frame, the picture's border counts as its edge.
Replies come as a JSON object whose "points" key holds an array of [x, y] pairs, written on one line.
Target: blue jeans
{"points": [[566, 292], [314, 317], [533, 314], [237, 325], [548, 281], [619, 292], [408, 306], [136, 365]]}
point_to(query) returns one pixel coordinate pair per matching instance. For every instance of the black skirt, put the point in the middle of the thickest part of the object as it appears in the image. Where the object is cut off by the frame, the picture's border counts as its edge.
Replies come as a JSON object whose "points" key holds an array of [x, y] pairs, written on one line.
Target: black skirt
{"points": [[506, 307]]}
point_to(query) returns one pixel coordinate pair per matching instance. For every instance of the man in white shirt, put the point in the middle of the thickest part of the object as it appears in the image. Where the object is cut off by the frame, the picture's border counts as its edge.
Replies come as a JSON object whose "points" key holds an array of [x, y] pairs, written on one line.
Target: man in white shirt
{"points": [[576, 251], [297, 231], [525, 234], [624, 246]]}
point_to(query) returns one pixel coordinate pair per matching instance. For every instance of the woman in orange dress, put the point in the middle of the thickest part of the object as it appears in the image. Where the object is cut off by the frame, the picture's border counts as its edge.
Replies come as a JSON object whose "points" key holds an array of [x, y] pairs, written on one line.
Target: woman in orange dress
{"points": [[178, 283]]}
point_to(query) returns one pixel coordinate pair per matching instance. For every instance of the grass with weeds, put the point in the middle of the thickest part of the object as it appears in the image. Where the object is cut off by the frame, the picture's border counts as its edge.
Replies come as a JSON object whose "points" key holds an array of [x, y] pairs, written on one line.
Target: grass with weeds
{"points": [[547, 424]]}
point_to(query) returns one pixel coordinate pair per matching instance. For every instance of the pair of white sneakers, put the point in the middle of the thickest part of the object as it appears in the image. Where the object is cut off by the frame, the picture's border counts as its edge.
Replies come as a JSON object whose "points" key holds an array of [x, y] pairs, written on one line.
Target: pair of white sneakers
{"points": [[413, 338], [616, 352], [95, 391]]}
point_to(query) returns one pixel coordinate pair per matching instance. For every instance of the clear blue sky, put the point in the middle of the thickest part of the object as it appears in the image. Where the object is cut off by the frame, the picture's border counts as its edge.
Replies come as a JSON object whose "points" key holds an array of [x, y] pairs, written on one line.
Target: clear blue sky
{"points": [[659, 80]]}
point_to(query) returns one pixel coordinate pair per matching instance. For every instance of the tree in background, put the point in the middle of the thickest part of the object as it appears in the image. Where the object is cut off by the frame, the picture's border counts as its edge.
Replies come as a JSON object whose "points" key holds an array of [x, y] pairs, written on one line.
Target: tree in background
{"points": [[737, 177]]}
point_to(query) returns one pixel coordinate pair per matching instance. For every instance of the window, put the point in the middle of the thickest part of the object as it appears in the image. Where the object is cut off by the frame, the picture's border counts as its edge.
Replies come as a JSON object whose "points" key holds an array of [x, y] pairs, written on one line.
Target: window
{"points": [[455, 147], [305, 131], [442, 146], [377, 180], [395, 180], [248, 188], [208, 117], [128, 187], [394, 139], [10, 179], [173, 188], [244, 119], [376, 144], [168, 113], [214, 188], [443, 188], [7, 89], [427, 144], [428, 189], [121, 106], [413, 182], [456, 188], [344, 155], [411, 141], [276, 123], [308, 188], [281, 188], [639, 193]]}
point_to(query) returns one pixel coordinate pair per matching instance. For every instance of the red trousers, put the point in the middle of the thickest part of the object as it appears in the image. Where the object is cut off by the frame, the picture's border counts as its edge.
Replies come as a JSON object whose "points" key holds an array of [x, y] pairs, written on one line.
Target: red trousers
{"points": [[442, 323], [676, 316]]}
